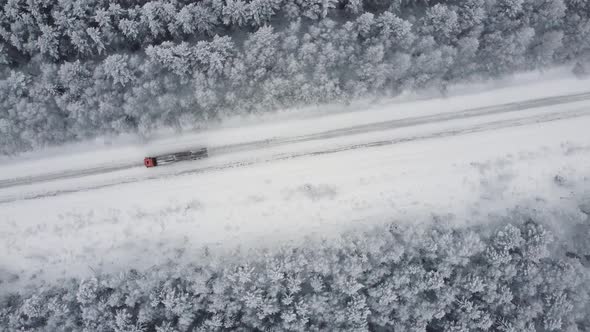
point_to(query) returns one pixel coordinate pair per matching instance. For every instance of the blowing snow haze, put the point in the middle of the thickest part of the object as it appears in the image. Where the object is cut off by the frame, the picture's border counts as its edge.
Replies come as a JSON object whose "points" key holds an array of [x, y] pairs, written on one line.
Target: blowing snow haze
{"points": [[333, 165]]}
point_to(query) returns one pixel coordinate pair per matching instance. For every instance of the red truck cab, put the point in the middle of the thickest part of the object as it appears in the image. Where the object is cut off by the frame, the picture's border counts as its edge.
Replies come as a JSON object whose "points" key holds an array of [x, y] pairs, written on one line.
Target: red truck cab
{"points": [[150, 162]]}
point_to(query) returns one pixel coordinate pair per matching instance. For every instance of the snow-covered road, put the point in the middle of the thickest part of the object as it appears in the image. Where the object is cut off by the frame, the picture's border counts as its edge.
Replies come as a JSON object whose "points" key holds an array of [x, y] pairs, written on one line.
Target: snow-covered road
{"points": [[70, 215], [275, 141], [484, 125], [487, 118]]}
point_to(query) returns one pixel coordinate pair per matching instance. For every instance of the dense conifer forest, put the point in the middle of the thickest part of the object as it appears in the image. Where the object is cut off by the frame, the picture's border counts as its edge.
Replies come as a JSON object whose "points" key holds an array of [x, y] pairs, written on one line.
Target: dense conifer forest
{"points": [[74, 69], [517, 276]]}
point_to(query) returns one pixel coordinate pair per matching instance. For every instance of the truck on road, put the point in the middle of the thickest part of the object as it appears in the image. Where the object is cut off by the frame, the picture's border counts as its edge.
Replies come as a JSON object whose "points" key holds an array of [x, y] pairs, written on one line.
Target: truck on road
{"points": [[174, 157]]}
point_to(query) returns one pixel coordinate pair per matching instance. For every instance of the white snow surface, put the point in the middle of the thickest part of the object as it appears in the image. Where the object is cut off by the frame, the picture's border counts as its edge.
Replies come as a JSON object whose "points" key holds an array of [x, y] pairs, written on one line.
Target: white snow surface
{"points": [[264, 195]]}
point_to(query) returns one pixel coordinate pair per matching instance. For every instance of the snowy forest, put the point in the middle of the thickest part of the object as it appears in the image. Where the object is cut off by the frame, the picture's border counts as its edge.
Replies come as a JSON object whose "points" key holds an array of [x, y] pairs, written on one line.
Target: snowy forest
{"points": [[516, 277], [75, 69]]}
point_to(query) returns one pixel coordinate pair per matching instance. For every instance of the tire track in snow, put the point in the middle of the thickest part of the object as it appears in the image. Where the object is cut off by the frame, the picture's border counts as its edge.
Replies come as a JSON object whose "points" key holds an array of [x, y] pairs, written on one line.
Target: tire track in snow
{"points": [[488, 126], [409, 122], [360, 129]]}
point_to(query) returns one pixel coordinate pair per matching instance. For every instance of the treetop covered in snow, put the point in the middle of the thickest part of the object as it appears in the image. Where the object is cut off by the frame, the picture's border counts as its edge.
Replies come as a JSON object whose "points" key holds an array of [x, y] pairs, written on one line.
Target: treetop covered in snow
{"points": [[74, 69]]}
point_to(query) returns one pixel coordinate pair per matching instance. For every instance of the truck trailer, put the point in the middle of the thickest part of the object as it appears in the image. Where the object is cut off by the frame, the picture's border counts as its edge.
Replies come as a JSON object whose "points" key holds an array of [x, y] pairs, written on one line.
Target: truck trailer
{"points": [[174, 157]]}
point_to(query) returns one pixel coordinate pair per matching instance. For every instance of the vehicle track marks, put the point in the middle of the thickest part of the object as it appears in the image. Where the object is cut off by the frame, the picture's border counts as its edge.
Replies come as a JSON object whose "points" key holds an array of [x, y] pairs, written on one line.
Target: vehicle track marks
{"points": [[488, 126], [278, 141]]}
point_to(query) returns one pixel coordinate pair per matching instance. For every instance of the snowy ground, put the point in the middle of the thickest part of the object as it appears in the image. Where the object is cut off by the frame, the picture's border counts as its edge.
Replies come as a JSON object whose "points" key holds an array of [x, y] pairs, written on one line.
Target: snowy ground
{"points": [[280, 181]]}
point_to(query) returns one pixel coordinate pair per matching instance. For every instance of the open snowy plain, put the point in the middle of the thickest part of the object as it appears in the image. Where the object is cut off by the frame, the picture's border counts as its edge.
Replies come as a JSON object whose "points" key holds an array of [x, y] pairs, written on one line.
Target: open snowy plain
{"points": [[65, 214]]}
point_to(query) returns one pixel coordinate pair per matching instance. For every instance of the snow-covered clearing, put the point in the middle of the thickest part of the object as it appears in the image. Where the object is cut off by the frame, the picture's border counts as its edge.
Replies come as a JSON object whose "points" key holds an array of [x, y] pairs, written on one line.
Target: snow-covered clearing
{"points": [[263, 195]]}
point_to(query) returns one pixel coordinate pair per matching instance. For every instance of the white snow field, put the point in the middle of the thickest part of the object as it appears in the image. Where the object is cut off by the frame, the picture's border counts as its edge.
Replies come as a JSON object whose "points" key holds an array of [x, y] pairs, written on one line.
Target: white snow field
{"points": [[99, 210]]}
